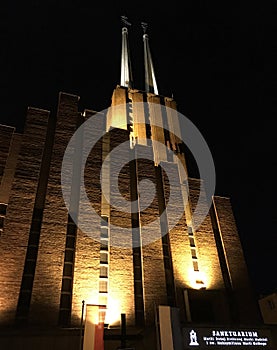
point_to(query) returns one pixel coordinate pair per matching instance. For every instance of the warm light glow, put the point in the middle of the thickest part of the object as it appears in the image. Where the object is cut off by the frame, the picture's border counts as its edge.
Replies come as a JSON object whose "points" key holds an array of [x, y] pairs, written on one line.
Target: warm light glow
{"points": [[91, 299], [197, 279], [187, 277], [92, 314], [117, 117], [94, 327], [113, 312]]}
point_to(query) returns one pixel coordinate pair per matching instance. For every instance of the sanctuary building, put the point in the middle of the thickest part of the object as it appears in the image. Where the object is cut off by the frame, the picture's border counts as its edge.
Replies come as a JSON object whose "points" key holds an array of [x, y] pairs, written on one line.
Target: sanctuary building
{"points": [[101, 243]]}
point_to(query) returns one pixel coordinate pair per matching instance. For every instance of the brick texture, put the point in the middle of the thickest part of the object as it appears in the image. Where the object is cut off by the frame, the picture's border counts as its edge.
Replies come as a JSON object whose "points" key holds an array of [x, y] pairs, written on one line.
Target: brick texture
{"points": [[6, 134], [248, 312], [14, 240], [49, 270], [156, 275]]}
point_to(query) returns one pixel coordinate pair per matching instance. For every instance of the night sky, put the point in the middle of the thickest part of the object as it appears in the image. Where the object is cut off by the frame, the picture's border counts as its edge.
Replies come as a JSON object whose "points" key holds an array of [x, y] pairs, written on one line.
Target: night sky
{"points": [[217, 58]]}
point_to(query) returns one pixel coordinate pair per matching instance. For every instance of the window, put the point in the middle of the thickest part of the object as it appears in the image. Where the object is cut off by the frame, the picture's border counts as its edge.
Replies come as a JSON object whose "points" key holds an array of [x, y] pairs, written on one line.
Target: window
{"points": [[191, 241], [195, 266], [104, 232], [67, 284], [104, 244], [139, 302], [168, 275], [104, 220], [65, 301], [103, 299], [103, 271], [68, 269], [70, 242], [103, 257], [69, 254], [138, 288], [103, 286], [3, 209], [193, 253], [137, 273], [71, 229]]}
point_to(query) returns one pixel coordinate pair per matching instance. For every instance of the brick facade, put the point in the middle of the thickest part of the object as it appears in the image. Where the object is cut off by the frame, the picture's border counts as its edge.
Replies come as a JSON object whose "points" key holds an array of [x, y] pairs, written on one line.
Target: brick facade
{"points": [[49, 265]]}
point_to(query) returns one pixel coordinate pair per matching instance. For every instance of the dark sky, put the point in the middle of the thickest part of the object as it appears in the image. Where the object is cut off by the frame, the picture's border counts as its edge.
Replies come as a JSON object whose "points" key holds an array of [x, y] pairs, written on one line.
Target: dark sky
{"points": [[218, 59]]}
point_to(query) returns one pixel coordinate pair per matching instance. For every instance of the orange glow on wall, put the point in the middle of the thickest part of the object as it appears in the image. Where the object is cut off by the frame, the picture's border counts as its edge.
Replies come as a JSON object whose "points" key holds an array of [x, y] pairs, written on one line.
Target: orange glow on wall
{"points": [[113, 311], [197, 279]]}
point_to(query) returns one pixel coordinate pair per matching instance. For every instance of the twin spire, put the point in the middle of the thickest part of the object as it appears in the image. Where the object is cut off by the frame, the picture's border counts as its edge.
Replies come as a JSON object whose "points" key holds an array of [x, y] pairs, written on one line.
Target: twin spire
{"points": [[126, 70]]}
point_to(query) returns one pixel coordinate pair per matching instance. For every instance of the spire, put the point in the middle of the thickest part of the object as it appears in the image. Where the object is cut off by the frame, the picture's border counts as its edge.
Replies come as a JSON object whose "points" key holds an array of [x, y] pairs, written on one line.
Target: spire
{"points": [[150, 80], [126, 72]]}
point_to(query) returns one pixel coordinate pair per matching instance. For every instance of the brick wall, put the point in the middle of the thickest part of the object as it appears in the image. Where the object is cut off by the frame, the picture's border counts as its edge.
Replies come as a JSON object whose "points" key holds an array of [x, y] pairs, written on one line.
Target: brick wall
{"points": [[6, 133], [30, 176], [13, 242], [244, 297], [49, 270]]}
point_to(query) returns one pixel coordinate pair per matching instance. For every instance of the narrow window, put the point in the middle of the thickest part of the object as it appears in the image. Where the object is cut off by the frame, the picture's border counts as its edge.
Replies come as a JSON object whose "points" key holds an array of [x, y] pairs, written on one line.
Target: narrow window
{"points": [[103, 286], [103, 257], [193, 253], [195, 265]]}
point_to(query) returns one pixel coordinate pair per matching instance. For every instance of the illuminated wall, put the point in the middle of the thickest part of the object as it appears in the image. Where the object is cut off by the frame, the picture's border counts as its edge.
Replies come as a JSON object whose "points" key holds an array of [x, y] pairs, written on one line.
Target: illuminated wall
{"points": [[17, 222], [49, 266]]}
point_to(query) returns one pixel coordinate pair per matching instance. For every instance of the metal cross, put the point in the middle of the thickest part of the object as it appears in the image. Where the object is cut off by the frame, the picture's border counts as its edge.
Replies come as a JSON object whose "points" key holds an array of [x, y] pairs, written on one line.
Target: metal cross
{"points": [[124, 21], [144, 26]]}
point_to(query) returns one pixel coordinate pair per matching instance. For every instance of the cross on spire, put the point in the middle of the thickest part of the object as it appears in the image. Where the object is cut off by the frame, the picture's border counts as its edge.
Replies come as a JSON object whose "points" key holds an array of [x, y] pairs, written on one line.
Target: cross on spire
{"points": [[126, 78], [144, 26], [124, 21]]}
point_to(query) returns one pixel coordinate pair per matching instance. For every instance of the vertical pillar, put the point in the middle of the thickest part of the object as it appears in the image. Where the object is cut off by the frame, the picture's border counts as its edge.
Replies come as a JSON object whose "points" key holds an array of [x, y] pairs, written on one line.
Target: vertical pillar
{"points": [[14, 241], [45, 304]]}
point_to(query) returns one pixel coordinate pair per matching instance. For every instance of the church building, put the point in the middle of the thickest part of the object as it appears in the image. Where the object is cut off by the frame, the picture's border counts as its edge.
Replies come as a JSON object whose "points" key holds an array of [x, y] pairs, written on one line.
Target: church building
{"points": [[106, 242]]}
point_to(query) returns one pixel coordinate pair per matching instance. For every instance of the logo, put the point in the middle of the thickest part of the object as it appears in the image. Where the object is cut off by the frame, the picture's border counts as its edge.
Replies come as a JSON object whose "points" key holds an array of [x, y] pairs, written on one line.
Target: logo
{"points": [[193, 338]]}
